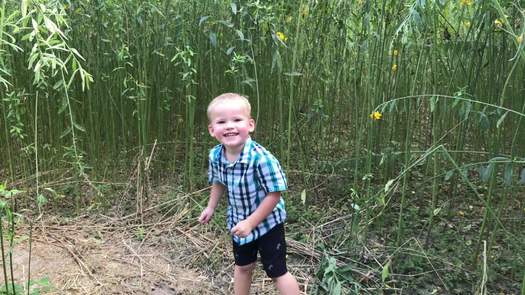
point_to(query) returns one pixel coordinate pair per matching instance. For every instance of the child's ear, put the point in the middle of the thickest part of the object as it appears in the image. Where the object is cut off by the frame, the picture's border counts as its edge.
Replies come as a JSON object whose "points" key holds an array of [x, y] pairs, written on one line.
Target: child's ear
{"points": [[251, 122], [210, 129]]}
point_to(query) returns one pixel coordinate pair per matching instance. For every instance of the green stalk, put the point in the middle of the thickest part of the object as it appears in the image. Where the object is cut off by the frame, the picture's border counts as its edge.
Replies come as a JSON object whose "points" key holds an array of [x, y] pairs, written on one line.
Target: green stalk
{"points": [[6, 130], [486, 217], [29, 258], [11, 221], [523, 284], [400, 222], [7, 147], [291, 98], [434, 181], [190, 114], [256, 84], [429, 96], [78, 164], [280, 104], [4, 267]]}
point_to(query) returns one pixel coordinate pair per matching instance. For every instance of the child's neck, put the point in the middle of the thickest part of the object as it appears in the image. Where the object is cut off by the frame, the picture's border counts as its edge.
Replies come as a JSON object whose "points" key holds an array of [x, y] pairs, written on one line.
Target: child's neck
{"points": [[233, 154]]}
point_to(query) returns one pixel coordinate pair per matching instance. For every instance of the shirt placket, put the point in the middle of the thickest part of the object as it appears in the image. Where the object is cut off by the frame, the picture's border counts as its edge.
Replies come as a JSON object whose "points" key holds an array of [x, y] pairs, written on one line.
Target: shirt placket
{"points": [[230, 174]]}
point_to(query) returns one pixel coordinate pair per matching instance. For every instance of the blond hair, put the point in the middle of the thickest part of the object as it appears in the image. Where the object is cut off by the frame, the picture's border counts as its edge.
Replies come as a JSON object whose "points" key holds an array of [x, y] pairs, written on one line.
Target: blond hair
{"points": [[229, 97]]}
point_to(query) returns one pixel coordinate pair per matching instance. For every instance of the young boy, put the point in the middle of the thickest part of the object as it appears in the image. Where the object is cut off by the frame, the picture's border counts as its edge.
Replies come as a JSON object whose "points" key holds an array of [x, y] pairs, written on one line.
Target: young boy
{"points": [[253, 180]]}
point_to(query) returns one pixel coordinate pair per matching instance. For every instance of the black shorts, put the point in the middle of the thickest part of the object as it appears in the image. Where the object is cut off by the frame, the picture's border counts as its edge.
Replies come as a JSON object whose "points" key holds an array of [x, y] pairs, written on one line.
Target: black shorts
{"points": [[272, 248]]}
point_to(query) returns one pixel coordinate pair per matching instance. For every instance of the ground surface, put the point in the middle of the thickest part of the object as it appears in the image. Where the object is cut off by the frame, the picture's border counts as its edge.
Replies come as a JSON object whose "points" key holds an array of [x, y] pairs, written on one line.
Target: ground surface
{"points": [[103, 256]]}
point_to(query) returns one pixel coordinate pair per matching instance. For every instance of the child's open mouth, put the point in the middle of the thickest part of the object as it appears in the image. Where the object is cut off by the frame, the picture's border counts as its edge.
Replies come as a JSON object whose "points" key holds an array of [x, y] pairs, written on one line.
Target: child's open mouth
{"points": [[230, 134]]}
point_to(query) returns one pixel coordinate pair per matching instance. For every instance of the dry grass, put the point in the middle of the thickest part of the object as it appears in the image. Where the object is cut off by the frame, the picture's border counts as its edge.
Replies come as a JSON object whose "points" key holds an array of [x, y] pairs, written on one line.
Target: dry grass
{"points": [[84, 256], [100, 255]]}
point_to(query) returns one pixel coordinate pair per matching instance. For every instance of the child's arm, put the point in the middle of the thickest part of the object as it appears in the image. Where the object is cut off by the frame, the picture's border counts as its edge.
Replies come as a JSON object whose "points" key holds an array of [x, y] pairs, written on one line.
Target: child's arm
{"points": [[217, 190], [243, 228]]}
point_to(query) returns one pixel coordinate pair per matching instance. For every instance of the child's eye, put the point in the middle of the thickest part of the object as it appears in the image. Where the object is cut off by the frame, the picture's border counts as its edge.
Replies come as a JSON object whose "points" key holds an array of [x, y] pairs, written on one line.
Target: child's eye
{"points": [[238, 120], [220, 122]]}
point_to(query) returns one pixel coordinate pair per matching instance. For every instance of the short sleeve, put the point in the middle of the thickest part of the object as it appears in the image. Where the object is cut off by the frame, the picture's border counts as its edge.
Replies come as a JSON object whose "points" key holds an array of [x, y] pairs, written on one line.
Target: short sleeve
{"points": [[213, 168], [270, 174]]}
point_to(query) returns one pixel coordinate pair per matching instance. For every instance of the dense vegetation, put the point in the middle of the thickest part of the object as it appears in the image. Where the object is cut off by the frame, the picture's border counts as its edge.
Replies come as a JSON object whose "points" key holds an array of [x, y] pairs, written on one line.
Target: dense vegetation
{"points": [[402, 118]]}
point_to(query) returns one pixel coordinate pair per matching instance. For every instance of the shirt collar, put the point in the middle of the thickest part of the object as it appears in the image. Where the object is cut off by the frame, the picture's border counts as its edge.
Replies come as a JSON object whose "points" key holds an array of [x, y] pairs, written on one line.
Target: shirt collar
{"points": [[244, 155]]}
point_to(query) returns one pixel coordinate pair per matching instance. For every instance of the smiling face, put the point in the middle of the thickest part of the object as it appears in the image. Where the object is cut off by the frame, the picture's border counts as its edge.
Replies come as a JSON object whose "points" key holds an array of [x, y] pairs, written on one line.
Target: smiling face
{"points": [[230, 124]]}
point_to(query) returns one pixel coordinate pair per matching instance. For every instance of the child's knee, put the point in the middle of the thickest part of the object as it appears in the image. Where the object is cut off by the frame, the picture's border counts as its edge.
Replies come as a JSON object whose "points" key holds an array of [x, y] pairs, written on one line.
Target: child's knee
{"points": [[245, 268], [280, 278]]}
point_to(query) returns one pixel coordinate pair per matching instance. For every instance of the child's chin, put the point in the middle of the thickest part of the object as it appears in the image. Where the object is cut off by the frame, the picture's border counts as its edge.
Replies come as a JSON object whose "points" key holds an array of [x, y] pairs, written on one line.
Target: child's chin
{"points": [[233, 144]]}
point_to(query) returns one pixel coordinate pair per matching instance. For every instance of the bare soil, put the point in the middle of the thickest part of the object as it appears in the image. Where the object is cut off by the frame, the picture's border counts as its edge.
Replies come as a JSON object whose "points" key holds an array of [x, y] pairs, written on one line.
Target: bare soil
{"points": [[88, 255]]}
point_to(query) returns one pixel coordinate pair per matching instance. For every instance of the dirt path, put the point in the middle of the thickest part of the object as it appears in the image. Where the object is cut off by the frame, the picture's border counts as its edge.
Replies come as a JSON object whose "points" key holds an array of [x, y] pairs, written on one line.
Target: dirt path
{"points": [[84, 256]]}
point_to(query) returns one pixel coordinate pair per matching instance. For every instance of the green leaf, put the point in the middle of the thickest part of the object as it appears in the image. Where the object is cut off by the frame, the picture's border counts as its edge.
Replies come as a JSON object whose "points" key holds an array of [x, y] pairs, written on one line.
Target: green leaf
{"points": [[213, 39], [336, 289], [226, 23], [58, 85], [385, 273], [392, 106], [65, 132], [79, 127], [466, 108], [75, 52], [276, 61], [507, 174], [303, 197], [522, 177], [40, 285], [389, 184], [34, 24], [9, 193], [250, 82], [499, 159], [203, 19], [484, 122], [234, 7], [433, 103], [486, 172], [456, 101], [23, 8], [293, 74], [41, 200], [240, 34], [501, 119], [51, 26], [449, 175], [230, 50]]}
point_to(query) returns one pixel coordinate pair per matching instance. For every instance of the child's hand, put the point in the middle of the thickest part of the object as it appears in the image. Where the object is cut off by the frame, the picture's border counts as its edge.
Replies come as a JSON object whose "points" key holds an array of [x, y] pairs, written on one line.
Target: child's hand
{"points": [[242, 229], [206, 215]]}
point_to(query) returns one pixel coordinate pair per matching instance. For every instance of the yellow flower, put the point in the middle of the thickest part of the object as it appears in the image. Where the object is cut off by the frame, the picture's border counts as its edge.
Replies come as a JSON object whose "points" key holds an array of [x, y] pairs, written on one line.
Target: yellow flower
{"points": [[394, 67], [376, 115], [467, 23], [395, 52], [498, 23], [466, 2], [520, 39], [281, 36]]}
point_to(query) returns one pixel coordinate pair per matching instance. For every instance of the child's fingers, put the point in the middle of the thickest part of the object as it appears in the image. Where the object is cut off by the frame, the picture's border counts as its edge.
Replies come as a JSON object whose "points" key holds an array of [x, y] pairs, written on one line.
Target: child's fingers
{"points": [[204, 218]]}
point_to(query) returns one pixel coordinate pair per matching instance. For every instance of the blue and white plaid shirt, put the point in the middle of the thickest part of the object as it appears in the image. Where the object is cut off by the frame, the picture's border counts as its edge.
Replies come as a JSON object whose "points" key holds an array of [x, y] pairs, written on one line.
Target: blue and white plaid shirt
{"points": [[248, 180]]}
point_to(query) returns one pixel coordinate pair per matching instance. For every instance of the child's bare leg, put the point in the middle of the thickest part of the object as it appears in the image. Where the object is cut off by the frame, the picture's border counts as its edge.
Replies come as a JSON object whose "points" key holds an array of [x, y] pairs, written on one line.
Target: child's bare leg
{"points": [[242, 278], [287, 285]]}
